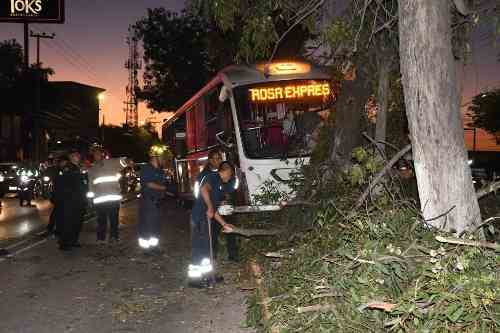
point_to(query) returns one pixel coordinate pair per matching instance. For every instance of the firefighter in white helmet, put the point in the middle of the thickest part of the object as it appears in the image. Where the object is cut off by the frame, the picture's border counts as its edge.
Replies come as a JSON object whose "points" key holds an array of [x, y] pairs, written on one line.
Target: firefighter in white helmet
{"points": [[105, 192], [153, 191]]}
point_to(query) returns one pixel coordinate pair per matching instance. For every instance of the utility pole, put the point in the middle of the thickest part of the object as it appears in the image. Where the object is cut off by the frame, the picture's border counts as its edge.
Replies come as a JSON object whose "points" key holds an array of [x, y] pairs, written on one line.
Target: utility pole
{"points": [[38, 136], [26, 46], [38, 36]]}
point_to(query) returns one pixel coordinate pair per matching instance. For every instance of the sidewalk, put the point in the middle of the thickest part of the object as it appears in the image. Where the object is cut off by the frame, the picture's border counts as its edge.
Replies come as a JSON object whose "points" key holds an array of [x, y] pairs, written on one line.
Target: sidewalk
{"points": [[116, 289]]}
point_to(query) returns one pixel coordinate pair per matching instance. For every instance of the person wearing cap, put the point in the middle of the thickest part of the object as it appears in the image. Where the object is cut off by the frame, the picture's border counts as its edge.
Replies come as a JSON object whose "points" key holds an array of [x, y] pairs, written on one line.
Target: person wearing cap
{"points": [[105, 192], [203, 218], [214, 161], [153, 188], [71, 202]]}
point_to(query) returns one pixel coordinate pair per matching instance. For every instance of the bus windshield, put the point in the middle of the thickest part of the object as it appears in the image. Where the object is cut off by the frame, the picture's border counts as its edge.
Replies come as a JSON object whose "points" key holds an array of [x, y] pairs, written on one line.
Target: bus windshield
{"points": [[282, 119]]}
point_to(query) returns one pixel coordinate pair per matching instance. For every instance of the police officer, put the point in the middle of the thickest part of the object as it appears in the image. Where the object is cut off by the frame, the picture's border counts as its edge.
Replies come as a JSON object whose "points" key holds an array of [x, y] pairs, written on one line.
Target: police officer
{"points": [[104, 190], [52, 172], [214, 161], [203, 217], [70, 196], [153, 188]]}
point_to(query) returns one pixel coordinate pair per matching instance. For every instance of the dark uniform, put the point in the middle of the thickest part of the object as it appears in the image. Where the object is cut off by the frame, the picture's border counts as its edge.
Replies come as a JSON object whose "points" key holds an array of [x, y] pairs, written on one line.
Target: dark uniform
{"points": [[52, 172], [150, 206], [231, 241], [70, 197], [200, 240]]}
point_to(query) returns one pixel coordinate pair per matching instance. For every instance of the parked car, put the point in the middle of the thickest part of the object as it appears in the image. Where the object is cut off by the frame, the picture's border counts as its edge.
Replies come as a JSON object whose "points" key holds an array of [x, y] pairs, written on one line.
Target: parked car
{"points": [[9, 180]]}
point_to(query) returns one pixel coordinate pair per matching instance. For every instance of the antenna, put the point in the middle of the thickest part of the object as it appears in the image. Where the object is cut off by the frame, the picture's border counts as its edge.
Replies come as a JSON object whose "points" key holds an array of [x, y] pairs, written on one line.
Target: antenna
{"points": [[133, 64]]}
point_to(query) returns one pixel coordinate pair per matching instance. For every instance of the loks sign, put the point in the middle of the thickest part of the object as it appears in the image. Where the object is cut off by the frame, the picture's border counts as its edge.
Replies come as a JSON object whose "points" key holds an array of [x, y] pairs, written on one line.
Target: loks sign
{"points": [[36, 11]]}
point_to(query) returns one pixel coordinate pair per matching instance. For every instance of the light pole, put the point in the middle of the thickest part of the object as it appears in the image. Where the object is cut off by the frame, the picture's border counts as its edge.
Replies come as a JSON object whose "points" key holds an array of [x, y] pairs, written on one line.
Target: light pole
{"points": [[100, 98]]}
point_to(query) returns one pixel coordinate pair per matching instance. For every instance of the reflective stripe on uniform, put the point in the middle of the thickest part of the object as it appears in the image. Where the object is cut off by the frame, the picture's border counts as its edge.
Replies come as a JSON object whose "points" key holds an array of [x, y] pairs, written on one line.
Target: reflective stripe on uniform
{"points": [[197, 271], [107, 198], [107, 179]]}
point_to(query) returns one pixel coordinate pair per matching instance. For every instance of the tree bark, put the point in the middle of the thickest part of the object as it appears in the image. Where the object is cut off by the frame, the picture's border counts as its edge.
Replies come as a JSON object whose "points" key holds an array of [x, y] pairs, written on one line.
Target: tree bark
{"points": [[349, 109], [384, 68], [432, 107]]}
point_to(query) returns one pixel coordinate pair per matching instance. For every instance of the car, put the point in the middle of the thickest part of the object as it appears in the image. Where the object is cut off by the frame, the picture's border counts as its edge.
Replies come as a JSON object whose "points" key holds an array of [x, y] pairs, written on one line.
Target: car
{"points": [[9, 181]]}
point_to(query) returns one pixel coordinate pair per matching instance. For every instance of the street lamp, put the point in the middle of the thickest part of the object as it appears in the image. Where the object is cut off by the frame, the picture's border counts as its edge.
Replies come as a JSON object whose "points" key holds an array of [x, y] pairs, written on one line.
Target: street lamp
{"points": [[101, 97]]}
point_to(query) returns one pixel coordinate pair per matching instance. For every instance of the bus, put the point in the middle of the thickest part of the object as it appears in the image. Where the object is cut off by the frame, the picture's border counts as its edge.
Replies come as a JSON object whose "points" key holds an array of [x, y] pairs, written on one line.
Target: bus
{"points": [[264, 117]]}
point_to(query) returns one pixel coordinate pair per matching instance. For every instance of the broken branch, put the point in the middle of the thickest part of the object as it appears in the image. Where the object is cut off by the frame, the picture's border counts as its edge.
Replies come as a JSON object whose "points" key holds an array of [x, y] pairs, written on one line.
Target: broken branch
{"points": [[458, 241], [382, 172], [314, 308], [488, 189]]}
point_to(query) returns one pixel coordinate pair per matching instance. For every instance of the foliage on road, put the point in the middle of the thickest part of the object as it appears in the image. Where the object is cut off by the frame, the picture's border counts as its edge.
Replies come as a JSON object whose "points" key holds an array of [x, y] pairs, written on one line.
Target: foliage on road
{"points": [[376, 269]]}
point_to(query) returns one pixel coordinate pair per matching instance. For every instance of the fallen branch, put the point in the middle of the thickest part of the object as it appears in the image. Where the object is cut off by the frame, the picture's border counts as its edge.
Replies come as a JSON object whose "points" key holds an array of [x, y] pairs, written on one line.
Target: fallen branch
{"points": [[377, 305], [487, 189], [314, 308], [458, 241], [382, 172], [487, 221], [256, 232]]}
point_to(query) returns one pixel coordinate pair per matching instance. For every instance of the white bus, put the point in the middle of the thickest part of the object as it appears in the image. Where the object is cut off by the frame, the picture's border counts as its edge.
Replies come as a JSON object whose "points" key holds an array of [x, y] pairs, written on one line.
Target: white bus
{"points": [[265, 117]]}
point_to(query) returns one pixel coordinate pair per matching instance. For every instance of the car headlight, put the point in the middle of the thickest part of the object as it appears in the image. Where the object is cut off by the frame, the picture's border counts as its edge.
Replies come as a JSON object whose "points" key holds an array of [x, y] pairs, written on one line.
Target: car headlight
{"points": [[24, 178], [2, 178], [46, 179], [470, 162]]}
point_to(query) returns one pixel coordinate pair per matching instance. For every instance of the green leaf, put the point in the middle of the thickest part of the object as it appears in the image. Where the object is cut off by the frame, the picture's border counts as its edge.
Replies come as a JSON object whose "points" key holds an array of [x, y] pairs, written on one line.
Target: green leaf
{"points": [[454, 312]]}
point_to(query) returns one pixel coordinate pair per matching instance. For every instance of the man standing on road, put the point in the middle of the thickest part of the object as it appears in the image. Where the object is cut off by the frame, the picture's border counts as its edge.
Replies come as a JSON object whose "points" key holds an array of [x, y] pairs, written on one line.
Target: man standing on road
{"points": [[153, 188], [214, 162], [52, 173], [104, 190], [203, 217], [70, 197]]}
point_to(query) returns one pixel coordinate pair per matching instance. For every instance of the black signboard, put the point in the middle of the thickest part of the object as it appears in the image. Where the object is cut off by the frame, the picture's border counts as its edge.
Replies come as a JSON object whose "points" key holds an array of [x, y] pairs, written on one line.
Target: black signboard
{"points": [[32, 11]]}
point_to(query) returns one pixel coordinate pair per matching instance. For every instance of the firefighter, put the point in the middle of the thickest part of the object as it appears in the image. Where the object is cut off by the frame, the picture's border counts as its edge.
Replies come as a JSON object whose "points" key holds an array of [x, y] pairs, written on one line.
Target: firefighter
{"points": [[214, 161], [70, 198], [104, 191], [203, 217], [153, 189]]}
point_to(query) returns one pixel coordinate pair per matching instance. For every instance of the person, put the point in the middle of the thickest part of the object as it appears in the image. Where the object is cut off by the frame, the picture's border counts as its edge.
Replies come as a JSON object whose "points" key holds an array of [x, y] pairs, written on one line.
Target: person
{"points": [[203, 216], [105, 193], [153, 188], [70, 197], [27, 181], [51, 172], [214, 161]]}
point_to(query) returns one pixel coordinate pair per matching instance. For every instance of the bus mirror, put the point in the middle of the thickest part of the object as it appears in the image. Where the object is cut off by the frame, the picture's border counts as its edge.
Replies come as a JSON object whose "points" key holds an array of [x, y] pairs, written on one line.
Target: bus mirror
{"points": [[219, 136], [224, 94]]}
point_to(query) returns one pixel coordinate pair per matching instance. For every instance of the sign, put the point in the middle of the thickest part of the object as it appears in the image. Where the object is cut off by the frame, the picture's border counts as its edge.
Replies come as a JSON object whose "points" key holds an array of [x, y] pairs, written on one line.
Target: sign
{"points": [[32, 11], [292, 92]]}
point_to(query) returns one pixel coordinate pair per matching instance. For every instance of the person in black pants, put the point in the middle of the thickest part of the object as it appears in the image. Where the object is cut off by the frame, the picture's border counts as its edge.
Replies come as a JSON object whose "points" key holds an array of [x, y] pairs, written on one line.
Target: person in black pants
{"points": [[70, 197]]}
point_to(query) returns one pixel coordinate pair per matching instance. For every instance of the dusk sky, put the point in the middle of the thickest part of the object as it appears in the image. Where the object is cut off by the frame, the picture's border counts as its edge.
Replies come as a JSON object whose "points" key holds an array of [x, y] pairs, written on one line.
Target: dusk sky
{"points": [[90, 48]]}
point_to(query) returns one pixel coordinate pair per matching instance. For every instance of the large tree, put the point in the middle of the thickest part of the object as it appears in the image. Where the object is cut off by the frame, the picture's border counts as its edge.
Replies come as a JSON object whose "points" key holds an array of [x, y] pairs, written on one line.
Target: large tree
{"points": [[447, 197], [485, 112], [177, 60]]}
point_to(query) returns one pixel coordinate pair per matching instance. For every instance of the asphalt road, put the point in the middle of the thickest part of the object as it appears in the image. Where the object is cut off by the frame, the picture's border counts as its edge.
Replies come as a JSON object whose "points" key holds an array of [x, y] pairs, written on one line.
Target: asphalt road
{"points": [[18, 222], [115, 288]]}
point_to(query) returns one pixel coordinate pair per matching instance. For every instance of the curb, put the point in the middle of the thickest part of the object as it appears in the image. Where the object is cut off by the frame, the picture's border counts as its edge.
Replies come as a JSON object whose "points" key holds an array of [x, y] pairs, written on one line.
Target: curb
{"points": [[256, 272]]}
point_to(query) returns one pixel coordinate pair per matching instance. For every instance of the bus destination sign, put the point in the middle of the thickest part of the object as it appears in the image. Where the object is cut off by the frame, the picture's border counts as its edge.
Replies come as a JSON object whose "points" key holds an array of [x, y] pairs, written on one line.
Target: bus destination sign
{"points": [[32, 11], [292, 92]]}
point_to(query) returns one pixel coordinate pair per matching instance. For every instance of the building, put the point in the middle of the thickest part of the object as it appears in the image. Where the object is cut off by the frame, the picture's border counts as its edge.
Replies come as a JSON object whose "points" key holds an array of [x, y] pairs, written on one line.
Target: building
{"points": [[71, 111]]}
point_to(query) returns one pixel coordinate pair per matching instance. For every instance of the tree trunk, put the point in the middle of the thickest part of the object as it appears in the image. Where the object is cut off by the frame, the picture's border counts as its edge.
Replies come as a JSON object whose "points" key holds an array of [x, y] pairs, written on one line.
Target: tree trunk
{"points": [[432, 107], [349, 109], [384, 67]]}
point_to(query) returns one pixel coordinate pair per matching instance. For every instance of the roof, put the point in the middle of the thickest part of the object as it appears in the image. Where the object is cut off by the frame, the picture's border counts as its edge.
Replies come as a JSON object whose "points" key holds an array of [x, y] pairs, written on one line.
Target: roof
{"points": [[76, 84], [239, 75]]}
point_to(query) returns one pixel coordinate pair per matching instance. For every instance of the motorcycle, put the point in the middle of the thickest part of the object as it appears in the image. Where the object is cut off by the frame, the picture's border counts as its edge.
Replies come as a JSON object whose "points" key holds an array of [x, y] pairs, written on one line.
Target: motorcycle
{"points": [[28, 187], [47, 187]]}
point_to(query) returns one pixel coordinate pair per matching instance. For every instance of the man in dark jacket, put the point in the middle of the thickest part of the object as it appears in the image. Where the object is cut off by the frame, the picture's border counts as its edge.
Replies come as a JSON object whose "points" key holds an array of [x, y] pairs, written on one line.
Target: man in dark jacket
{"points": [[70, 196]]}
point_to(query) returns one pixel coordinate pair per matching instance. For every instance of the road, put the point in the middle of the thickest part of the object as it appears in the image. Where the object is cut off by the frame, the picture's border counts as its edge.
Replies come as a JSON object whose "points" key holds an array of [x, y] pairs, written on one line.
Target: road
{"points": [[116, 288], [17, 222]]}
